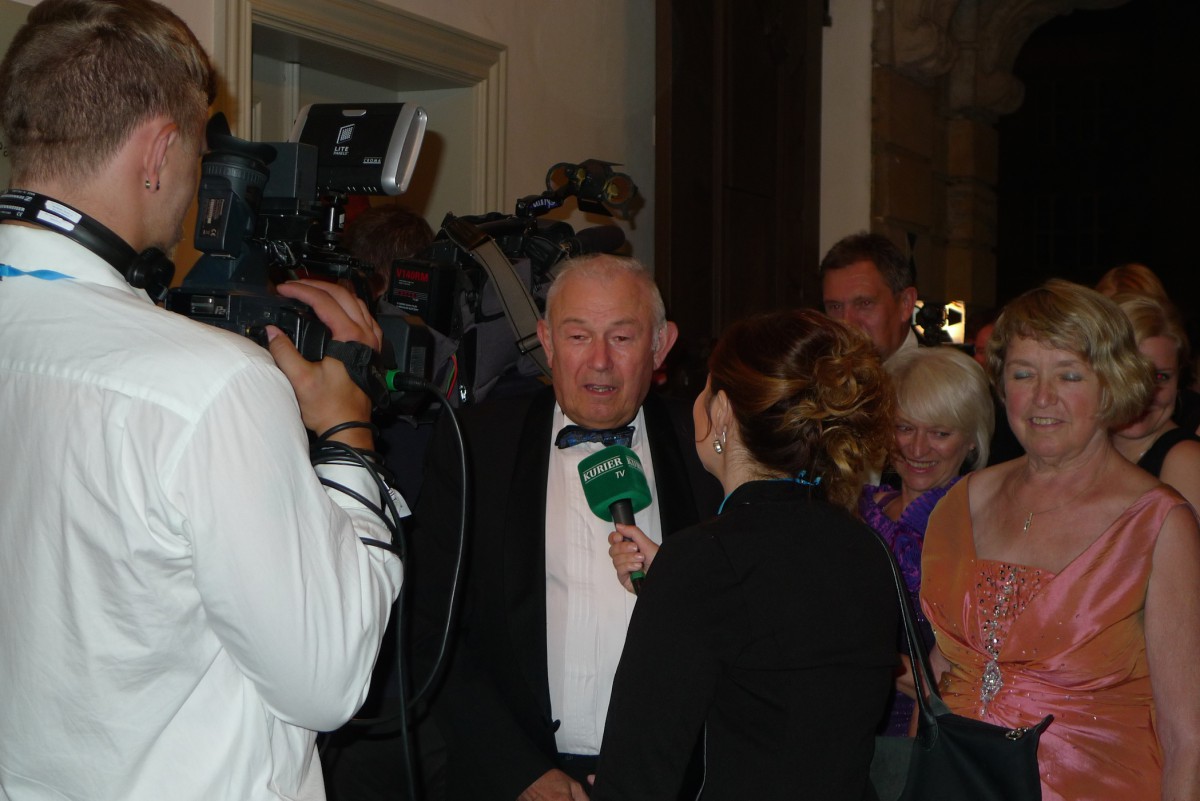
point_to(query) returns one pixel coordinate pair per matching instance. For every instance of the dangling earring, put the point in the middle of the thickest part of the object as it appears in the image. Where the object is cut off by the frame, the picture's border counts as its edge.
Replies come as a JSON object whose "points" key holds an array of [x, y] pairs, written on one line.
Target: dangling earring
{"points": [[719, 443]]}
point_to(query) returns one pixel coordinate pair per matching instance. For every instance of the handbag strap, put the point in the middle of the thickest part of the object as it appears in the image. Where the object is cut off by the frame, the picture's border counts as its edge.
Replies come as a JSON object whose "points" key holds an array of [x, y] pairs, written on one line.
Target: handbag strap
{"points": [[928, 700]]}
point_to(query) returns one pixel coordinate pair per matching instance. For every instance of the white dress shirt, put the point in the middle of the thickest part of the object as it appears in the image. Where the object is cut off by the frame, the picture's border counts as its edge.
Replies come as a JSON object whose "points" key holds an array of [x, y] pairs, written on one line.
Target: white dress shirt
{"points": [[909, 343], [587, 609], [182, 604]]}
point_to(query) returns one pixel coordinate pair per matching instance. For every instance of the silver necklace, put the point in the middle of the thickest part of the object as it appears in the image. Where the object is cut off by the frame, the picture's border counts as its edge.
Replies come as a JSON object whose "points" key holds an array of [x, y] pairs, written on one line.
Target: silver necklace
{"points": [[1029, 517]]}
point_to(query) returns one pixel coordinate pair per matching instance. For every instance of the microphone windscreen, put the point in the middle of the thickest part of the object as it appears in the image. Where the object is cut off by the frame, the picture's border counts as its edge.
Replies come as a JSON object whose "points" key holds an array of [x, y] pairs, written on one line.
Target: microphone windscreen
{"points": [[614, 474]]}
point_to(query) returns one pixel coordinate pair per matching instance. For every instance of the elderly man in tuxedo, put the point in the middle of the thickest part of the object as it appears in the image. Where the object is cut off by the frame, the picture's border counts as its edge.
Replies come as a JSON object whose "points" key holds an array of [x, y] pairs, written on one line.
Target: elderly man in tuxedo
{"points": [[543, 617]]}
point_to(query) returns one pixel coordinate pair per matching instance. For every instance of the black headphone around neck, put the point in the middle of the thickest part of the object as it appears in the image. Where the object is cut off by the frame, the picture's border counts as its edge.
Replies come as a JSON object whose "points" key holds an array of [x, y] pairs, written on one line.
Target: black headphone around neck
{"points": [[150, 270]]}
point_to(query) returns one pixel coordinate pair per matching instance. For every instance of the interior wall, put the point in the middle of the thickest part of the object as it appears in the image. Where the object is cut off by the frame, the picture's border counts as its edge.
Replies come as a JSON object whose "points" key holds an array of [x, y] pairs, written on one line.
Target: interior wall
{"points": [[200, 16], [845, 122], [444, 179], [580, 85]]}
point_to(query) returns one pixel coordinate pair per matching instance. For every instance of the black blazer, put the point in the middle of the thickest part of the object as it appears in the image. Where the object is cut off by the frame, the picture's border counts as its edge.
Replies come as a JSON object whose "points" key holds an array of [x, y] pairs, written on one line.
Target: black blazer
{"points": [[493, 708], [772, 629]]}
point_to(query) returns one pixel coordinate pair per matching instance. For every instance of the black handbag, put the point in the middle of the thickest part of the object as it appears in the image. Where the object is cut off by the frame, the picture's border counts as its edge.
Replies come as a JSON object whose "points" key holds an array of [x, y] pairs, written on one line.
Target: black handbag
{"points": [[952, 758]]}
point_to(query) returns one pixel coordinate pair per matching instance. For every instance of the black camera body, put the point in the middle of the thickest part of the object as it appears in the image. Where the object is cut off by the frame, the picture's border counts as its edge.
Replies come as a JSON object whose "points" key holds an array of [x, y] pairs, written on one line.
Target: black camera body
{"points": [[273, 212], [447, 285], [249, 313], [460, 295], [436, 282]]}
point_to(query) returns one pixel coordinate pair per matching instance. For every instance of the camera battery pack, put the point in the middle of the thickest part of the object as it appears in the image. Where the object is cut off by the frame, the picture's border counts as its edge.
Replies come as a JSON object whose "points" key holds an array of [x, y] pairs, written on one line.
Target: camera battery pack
{"points": [[425, 289]]}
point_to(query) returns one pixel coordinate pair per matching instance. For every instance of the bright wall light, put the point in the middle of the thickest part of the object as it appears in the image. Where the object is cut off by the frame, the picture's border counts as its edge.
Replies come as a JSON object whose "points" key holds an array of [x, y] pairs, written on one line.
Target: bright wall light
{"points": [[953, 320]]}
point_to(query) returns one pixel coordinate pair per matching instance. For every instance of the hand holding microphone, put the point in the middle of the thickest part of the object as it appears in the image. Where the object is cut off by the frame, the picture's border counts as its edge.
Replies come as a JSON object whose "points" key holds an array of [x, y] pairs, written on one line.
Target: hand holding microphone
{"points": [[614, 484], [631, 552]]}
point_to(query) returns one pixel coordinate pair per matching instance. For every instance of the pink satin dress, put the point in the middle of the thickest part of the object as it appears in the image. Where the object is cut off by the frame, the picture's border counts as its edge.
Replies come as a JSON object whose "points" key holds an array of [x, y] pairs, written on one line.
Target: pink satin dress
{"points": [[1026, 642]]}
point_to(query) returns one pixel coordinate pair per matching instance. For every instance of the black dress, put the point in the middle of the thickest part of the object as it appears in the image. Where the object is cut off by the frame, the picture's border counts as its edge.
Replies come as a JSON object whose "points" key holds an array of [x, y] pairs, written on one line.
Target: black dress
{"points": [[1152, 460], [772, 629], [1187, 416]]}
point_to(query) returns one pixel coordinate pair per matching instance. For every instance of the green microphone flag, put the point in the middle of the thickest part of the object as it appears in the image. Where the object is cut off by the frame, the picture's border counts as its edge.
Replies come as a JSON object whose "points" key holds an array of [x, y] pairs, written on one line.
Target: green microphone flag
{"points": [[614, 484], [611, 476]]}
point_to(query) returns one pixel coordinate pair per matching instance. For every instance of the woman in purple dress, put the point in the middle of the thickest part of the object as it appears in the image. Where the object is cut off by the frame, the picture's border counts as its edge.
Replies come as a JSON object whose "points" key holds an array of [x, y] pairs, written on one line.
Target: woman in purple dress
{"points": [[944, 420]]}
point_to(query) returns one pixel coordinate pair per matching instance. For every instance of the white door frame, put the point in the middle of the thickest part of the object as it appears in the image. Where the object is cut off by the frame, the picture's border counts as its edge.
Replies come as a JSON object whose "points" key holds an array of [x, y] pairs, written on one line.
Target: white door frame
{"points": [[387, 34]]}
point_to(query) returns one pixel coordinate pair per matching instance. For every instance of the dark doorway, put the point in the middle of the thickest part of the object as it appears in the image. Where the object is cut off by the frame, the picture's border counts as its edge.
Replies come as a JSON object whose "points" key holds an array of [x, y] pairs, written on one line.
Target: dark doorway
{"points": [[737, 154], [1098, 167]]}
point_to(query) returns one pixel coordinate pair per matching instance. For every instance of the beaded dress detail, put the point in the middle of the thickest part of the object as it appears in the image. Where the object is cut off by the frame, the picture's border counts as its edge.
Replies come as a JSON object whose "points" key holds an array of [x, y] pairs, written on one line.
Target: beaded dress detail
{"points": [[1004, 591]]}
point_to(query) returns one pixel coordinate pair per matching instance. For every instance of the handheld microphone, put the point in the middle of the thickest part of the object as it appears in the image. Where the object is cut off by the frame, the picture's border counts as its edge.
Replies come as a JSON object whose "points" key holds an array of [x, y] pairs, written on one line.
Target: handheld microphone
{"points": [[614, 484]]}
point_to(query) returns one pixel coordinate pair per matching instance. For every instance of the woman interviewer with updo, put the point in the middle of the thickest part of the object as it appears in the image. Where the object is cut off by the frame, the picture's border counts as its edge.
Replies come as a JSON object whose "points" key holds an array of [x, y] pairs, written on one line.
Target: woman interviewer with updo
{"points": [[770, 630]]}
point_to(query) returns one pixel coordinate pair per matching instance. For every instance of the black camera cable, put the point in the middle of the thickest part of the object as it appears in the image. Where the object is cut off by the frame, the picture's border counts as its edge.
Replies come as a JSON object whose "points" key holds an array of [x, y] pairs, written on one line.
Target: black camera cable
{"points": [[325, 451]]}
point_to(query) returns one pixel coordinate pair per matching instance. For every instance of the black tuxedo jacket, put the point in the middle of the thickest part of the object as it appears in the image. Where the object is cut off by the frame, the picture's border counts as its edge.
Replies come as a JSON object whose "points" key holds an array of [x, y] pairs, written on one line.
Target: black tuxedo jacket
{"points": [[493, 707]]}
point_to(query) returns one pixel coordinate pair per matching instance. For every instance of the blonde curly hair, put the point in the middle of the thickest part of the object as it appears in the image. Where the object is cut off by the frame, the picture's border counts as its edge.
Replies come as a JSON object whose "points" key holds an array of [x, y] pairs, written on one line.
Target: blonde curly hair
{"points": [[809, 394]]}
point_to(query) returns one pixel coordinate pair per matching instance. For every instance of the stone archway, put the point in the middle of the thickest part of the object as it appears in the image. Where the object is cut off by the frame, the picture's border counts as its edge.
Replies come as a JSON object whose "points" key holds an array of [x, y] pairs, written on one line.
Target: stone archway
{"points": [[942, 76]]}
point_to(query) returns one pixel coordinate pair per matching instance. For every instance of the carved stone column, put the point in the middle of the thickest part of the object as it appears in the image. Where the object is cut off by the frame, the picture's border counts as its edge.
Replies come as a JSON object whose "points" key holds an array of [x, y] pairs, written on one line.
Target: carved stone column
{"points": [[912, 50]]}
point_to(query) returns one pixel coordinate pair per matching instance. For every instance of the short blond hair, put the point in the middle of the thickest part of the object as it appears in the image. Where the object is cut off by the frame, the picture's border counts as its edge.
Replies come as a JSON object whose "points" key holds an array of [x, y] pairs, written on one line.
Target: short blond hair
{"points": [[1070, 317], [944, 386], [81, 75]]}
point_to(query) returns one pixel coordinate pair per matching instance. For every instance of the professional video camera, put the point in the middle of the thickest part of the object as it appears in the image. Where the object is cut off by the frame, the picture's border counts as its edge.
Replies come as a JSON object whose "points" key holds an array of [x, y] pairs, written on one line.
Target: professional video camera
{"points": [[481, 285], [271, 212]]}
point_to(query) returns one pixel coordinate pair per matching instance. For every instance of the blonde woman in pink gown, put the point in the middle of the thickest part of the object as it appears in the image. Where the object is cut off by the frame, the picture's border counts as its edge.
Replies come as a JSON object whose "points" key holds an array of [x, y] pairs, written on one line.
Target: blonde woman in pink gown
{"points": [[1067, 581]]}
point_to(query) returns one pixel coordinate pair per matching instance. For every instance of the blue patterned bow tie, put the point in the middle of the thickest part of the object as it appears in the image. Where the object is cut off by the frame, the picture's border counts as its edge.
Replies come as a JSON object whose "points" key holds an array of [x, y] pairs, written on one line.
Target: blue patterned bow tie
{"points": [[573, 435]]}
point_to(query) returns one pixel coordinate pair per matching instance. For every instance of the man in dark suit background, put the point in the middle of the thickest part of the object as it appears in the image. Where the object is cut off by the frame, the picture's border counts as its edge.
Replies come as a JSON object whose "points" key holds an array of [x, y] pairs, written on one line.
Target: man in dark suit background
{"points": [[543, 618]]}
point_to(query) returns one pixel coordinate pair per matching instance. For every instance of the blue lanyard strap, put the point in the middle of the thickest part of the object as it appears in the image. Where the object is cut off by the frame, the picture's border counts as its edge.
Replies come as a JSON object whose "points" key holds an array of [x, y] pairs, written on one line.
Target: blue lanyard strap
{"points": [[8, 271]]}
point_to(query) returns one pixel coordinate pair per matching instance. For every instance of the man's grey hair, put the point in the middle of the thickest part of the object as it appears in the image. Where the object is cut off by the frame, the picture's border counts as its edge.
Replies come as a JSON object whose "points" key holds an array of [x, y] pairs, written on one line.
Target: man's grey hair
{"points": [[603, 267]]}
